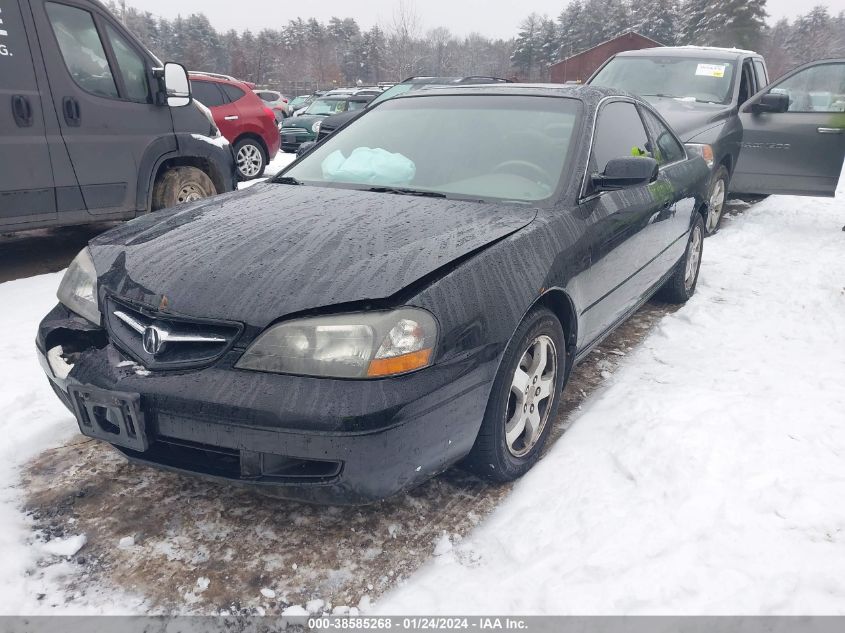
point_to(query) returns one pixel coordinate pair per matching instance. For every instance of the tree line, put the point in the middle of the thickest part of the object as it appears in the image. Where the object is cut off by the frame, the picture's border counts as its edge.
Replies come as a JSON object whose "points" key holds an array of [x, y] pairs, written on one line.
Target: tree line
{"points": [[582, 24], [306, 54]]}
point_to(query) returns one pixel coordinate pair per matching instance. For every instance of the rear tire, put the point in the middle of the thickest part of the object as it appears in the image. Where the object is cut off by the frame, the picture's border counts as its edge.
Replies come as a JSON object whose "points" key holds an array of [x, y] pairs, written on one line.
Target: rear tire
{"points": [[179, 185], [250, 159], [717, 196], [681, 285], [524, 400]]}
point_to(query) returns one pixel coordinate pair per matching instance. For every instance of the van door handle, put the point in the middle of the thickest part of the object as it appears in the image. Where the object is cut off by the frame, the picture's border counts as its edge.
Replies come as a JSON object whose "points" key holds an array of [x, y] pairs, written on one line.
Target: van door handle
{"points": [[831, 130], [22, 111], [70, 108], [231, 117]]}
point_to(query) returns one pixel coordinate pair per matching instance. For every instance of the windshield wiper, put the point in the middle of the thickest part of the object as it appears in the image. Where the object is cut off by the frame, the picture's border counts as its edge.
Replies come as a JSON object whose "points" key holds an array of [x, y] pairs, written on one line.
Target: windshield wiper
{"points": [[407, 192], [287, 180]]}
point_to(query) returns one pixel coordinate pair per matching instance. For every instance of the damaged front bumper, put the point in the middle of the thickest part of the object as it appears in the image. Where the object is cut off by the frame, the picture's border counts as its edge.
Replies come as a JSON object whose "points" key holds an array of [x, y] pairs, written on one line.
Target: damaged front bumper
{"points": [[314, 439]]}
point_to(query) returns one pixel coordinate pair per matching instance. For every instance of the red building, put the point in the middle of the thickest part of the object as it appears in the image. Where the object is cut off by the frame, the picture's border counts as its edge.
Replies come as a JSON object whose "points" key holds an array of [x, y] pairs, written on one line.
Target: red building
{"points": [[579, 67]]}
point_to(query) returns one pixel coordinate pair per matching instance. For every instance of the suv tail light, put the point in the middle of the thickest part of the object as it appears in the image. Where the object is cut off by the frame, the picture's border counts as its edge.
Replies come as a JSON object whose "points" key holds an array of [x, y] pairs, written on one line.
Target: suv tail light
{"points": [[269, 113]]}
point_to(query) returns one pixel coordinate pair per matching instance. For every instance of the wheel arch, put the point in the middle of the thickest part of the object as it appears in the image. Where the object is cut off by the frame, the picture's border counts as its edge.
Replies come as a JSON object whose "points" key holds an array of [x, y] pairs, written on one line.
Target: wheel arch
{"points": [[255, 137], [202, 164], [560, 303]]}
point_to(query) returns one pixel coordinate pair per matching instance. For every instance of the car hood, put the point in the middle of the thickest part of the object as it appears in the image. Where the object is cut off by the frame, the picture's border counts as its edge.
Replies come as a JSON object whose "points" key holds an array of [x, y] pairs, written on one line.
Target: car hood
{"points": [[303, 120], [689, 119], [336, 120], [271, 250]]}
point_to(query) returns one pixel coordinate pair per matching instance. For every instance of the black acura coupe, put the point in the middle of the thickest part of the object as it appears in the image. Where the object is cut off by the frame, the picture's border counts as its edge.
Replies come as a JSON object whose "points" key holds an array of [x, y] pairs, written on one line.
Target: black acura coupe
{"points": [[412, 293]]}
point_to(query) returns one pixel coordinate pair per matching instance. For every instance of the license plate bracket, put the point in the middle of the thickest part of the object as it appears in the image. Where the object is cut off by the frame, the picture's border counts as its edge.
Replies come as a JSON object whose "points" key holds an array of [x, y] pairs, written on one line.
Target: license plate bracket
{"points": [[113, 416]]}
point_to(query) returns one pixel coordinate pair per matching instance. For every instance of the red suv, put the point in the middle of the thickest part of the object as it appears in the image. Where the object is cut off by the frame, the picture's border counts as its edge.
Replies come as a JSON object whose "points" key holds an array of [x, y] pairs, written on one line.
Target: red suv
{"points": [[248, 124]]}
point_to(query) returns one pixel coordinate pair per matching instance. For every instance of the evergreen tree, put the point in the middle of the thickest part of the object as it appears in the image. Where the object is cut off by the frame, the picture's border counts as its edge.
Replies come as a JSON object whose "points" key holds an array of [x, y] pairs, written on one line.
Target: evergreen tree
{"points": [[526, 52], [737, 23], [694, 25], [658, 19]]}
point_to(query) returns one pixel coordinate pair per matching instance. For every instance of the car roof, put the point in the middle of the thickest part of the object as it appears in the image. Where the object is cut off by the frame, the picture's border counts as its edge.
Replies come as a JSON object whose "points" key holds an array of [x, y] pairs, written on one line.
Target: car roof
{"points": [[583, 92], [690, 51], [452, 80]]}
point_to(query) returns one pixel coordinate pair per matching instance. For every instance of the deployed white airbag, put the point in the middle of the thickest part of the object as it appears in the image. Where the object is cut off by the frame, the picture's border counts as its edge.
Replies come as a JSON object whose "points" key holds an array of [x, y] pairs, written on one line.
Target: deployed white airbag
{"points": [[373, 166]]}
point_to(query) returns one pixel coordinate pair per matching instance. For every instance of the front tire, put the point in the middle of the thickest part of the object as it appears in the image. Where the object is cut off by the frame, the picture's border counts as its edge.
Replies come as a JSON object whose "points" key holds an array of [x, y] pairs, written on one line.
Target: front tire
{"points": [[524, 400], [179, 185], [681, 285], [249, 159], [716, 199]]}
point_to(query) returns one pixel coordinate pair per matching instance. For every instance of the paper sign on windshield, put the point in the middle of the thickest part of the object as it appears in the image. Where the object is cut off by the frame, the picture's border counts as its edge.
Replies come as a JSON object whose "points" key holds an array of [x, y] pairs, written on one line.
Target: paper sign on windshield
{"points": [[710, 70]]}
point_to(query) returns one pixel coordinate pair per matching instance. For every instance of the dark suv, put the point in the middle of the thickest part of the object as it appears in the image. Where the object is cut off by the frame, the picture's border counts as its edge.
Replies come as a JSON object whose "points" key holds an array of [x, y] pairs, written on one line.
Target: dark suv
{"points": [[94, 126], [698, 90]]}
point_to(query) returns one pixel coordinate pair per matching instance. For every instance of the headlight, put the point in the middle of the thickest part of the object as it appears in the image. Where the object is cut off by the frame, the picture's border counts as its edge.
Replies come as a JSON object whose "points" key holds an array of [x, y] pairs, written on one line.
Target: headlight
{"points": [[360, 345], [78, 290], [703, 150], [316, 127]]}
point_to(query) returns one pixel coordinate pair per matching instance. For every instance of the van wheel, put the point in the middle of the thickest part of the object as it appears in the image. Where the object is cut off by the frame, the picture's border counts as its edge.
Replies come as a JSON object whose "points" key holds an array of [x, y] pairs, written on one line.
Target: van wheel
{"points": [[524, 400], [250, 159], [181, 184]]}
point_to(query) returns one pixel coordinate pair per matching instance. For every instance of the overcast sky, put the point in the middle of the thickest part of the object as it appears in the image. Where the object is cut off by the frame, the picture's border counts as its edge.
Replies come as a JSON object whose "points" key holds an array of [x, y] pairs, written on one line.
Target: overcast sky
{"points": [[494, 18]]}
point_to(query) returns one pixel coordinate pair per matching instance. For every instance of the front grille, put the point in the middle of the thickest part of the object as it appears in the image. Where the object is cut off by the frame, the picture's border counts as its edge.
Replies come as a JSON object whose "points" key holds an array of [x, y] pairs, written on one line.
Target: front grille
{"points": [[294, 130], [163, 341]]}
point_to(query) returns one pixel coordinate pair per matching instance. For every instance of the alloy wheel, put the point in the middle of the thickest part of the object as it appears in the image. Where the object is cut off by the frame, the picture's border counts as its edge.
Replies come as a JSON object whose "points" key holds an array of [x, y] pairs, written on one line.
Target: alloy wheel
{"points": [[716, 205], [693, 258], [249, 161], [531, 395]]}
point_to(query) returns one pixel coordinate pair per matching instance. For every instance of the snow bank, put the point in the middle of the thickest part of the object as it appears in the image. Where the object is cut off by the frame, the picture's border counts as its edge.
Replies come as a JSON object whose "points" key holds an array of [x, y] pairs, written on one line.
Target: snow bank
{"points": [[708, 475], [30, 421]]}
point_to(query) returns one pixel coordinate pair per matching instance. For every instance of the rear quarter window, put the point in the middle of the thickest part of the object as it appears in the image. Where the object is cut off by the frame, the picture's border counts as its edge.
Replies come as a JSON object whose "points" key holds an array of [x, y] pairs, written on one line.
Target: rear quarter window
{"points": [[233, 92], [206, 93]]}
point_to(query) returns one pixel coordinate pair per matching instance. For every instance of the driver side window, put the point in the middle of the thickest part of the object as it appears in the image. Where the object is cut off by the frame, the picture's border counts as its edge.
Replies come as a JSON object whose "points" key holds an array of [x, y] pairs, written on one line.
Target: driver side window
{"points": [[619, 133], [819, 88]]}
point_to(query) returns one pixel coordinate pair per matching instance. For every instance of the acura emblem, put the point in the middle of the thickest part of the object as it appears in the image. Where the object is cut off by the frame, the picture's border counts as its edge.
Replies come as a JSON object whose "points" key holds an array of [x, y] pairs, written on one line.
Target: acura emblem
{"points": [[152, 340]]}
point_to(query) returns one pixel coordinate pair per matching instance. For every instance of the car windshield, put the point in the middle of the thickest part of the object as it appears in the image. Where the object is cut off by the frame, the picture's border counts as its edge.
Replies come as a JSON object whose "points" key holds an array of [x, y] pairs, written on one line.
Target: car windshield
{"points": [[686, 78], [474, 146], [298, 101], [326, 106]]}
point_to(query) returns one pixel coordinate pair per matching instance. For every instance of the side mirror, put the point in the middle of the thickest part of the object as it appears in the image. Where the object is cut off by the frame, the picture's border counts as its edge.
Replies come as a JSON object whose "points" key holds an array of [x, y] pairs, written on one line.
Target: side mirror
{"points": [[630, 171], [306, 147], [771, 102], [176, 85]]}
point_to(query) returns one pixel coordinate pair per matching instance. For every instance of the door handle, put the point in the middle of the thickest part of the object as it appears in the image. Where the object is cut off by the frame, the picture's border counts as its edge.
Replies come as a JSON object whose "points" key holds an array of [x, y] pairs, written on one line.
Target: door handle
{"points": [[70, 108], [22, 111], [232, 117], [831, 130]]}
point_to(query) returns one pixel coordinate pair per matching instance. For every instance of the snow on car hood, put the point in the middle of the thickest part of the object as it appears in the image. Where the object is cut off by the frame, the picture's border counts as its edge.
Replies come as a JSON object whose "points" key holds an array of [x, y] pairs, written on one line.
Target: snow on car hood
{"points": [[690, 118], [271, 250]]}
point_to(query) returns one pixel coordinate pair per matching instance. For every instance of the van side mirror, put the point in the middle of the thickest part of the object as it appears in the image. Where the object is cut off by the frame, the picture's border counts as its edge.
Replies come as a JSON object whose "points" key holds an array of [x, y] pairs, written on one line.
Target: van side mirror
{"points": [[771, 102], [629, 171], [176, 85]]}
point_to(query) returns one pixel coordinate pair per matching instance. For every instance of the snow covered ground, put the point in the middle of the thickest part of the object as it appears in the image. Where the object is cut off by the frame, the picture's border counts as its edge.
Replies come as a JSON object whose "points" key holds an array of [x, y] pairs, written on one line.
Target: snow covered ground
{"points": [[708, 476], [705, 476], [279, 162]]}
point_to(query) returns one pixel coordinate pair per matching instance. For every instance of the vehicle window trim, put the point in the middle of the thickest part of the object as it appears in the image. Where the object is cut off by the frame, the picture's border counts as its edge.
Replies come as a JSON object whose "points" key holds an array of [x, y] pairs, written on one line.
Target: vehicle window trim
{"points": [[101, 27], [648, 108], [804, 67], [221, 92], [98, 19], [604, 101]]}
